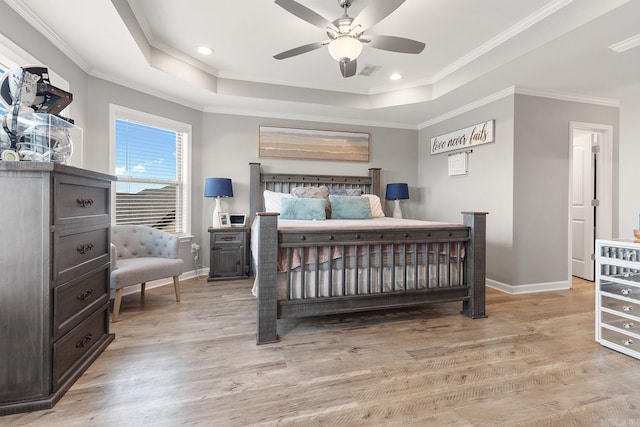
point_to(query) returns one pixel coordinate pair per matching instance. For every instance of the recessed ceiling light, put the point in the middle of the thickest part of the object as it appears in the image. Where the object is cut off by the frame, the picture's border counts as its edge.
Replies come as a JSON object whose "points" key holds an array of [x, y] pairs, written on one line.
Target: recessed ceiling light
{"points": [[204, 50], [395, 76]]}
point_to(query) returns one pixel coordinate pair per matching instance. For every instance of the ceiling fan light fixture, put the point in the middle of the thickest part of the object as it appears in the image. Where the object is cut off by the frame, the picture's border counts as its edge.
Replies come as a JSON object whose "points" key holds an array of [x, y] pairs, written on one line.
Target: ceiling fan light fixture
{"points": [[345, 47]]}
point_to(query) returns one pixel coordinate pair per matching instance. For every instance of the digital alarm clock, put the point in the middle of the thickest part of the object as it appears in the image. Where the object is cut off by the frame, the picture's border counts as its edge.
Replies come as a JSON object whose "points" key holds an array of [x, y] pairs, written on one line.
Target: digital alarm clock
{"points": [[238, 220]]}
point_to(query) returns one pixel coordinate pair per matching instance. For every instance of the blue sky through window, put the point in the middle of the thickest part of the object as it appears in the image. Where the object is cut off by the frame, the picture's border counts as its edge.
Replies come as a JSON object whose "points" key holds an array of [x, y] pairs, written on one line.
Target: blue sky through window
{"points": [[144, 153]]}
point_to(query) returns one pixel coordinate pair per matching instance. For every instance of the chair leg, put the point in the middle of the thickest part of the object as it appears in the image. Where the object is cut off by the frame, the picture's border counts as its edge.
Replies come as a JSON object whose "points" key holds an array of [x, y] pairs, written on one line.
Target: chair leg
{"points": [[116, 305], [143, 286], [176, 286]]}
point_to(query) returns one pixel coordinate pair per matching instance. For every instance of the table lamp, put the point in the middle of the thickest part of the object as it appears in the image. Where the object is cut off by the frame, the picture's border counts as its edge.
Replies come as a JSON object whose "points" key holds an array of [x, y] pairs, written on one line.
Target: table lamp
{"points": [[397, 191], [218, 188]]}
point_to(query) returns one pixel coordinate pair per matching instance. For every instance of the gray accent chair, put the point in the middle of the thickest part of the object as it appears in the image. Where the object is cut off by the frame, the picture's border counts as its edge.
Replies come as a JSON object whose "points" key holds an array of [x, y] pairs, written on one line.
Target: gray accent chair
{"points": [[140, 254]]}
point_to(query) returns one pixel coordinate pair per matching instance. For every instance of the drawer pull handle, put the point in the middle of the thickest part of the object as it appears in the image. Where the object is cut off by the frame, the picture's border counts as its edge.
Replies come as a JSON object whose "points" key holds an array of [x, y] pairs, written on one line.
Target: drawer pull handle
{"points": [[627, 308], [83, 249], [85, 203], [84, 341], [627, 325], [86, 294], [228, 239], [627, 342], [626, 291]]}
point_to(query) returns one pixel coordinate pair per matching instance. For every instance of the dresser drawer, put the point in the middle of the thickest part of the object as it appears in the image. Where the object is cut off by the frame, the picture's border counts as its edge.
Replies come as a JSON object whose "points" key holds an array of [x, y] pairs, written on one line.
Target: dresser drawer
{"points": [[622, 323], [620, 339], [623, 290], [621, 306], [70, 351], [80, 199], [227, 238], [75, 300], [76, 251]]}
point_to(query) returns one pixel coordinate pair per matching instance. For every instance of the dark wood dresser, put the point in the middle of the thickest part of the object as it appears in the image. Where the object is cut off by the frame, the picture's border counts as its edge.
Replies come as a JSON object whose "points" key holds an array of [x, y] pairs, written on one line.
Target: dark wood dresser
{"points": [[54, 279]]}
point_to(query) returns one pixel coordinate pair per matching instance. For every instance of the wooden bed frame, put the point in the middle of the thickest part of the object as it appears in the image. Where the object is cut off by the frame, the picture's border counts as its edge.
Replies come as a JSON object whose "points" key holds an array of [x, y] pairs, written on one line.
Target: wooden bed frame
{"points": [[470, 237]]}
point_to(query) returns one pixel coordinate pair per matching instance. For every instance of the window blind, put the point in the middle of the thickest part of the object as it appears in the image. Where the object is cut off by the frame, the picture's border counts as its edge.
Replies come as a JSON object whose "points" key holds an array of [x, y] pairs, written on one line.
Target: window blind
{"points": [[149, 167]]}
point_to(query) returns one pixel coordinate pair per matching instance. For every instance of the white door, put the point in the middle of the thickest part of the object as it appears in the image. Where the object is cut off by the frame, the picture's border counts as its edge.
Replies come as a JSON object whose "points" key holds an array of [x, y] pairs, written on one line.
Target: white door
{"points": [[582, 210]]}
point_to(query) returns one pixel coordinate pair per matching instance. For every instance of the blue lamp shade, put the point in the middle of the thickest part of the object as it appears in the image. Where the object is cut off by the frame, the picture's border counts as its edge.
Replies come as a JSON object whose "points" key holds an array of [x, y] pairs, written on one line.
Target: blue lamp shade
{"points": [[397, 191], [218, 187]]}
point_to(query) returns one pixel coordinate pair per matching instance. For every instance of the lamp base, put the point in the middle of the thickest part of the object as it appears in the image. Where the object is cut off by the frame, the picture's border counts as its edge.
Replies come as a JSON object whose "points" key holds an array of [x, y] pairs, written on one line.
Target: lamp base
{"points": [[215, 221], [397, 212]]}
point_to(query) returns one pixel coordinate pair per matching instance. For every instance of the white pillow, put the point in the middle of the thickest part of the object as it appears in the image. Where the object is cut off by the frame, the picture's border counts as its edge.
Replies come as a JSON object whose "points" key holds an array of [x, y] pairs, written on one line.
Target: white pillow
{"points": [[272, 200], [376, 206]]}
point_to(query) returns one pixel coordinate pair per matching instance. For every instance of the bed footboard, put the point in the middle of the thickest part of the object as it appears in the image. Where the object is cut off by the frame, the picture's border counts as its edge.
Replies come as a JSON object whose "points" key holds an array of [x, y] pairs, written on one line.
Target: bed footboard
{"points": [[417, 267]]}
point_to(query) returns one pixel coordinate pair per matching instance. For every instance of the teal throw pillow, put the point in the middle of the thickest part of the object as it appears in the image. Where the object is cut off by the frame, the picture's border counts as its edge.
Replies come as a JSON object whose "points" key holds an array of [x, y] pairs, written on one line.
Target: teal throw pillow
{"points": [[297, 208], [350, 207]]}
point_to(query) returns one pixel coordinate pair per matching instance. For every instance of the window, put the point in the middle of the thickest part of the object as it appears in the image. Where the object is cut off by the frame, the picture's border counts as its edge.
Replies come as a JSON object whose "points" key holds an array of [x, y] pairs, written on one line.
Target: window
{"points": [[151, 161]]}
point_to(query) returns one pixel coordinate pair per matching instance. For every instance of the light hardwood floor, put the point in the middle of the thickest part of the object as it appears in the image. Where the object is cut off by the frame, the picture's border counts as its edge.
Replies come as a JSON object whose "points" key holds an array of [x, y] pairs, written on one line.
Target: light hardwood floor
{"points": [[532, 362]]}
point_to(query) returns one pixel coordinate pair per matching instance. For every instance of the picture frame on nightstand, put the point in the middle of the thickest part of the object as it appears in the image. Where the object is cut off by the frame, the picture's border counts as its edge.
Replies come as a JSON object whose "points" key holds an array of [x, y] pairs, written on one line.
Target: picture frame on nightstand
{"points": [[225, 221]]}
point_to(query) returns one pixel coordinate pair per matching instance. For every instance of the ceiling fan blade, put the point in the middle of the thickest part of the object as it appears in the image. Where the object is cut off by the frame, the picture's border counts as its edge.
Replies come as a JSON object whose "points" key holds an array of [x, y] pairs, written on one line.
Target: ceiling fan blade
{"points": [[375, 13], [299, 50], [393, 43], [306, 14], [348, 68]]}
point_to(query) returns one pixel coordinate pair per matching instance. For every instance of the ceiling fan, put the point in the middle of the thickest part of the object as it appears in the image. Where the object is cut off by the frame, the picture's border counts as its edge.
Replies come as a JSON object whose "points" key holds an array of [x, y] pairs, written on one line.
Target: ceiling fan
{"points": [[346, 34]]}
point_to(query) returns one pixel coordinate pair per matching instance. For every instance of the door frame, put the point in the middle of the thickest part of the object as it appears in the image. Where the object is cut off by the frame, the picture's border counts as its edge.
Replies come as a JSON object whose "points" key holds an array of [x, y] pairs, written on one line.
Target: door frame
{"points": [[603, 180]]}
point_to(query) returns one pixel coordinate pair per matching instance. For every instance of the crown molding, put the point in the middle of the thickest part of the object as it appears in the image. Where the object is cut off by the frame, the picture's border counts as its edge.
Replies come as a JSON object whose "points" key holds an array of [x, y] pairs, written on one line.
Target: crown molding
{"points": [[308, 118], [606, 102], [27, 14], [466, 108], [626, 44], [506, 35], [147, 91], [513, 90]]}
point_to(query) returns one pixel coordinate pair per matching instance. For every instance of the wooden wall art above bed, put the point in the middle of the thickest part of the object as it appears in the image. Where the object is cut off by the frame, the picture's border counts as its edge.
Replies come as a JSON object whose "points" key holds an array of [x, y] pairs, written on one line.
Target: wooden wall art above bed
{"points": [[313, 144], [309, 268]]}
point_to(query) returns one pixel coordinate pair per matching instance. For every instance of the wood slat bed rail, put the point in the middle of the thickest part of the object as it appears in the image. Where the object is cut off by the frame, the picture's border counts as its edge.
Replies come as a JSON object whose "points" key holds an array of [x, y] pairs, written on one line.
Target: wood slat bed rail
{"points": [[470, 291]]}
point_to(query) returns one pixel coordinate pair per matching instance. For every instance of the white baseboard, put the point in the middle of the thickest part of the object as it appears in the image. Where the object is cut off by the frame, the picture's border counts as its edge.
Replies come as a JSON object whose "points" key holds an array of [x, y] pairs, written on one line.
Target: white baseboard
{"points": [[530, 288], [168, 281]]}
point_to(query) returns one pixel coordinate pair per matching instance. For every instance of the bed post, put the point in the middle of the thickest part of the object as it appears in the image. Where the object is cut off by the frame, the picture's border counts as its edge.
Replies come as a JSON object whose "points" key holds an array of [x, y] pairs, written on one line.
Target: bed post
{"points": [[254, 191], [374, 173], [266, 277], [475, 264]]}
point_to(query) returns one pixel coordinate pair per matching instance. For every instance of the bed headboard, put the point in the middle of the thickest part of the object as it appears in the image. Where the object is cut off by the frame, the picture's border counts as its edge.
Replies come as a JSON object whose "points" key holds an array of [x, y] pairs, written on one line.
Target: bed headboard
{"points": [[283, 183]]}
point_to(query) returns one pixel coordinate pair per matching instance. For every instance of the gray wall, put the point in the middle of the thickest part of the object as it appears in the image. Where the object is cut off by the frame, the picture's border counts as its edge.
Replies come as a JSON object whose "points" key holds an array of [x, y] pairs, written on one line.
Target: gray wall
{"points": [[230, 143], [488, 186], [14, 28], [102, 93], [541, 184], [629, 162], [522, 180]]}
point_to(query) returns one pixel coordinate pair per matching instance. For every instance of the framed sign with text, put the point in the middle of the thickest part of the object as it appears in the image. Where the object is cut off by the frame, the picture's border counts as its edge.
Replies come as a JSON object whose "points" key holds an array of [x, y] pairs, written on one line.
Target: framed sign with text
{"points": [[482, 133]]}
